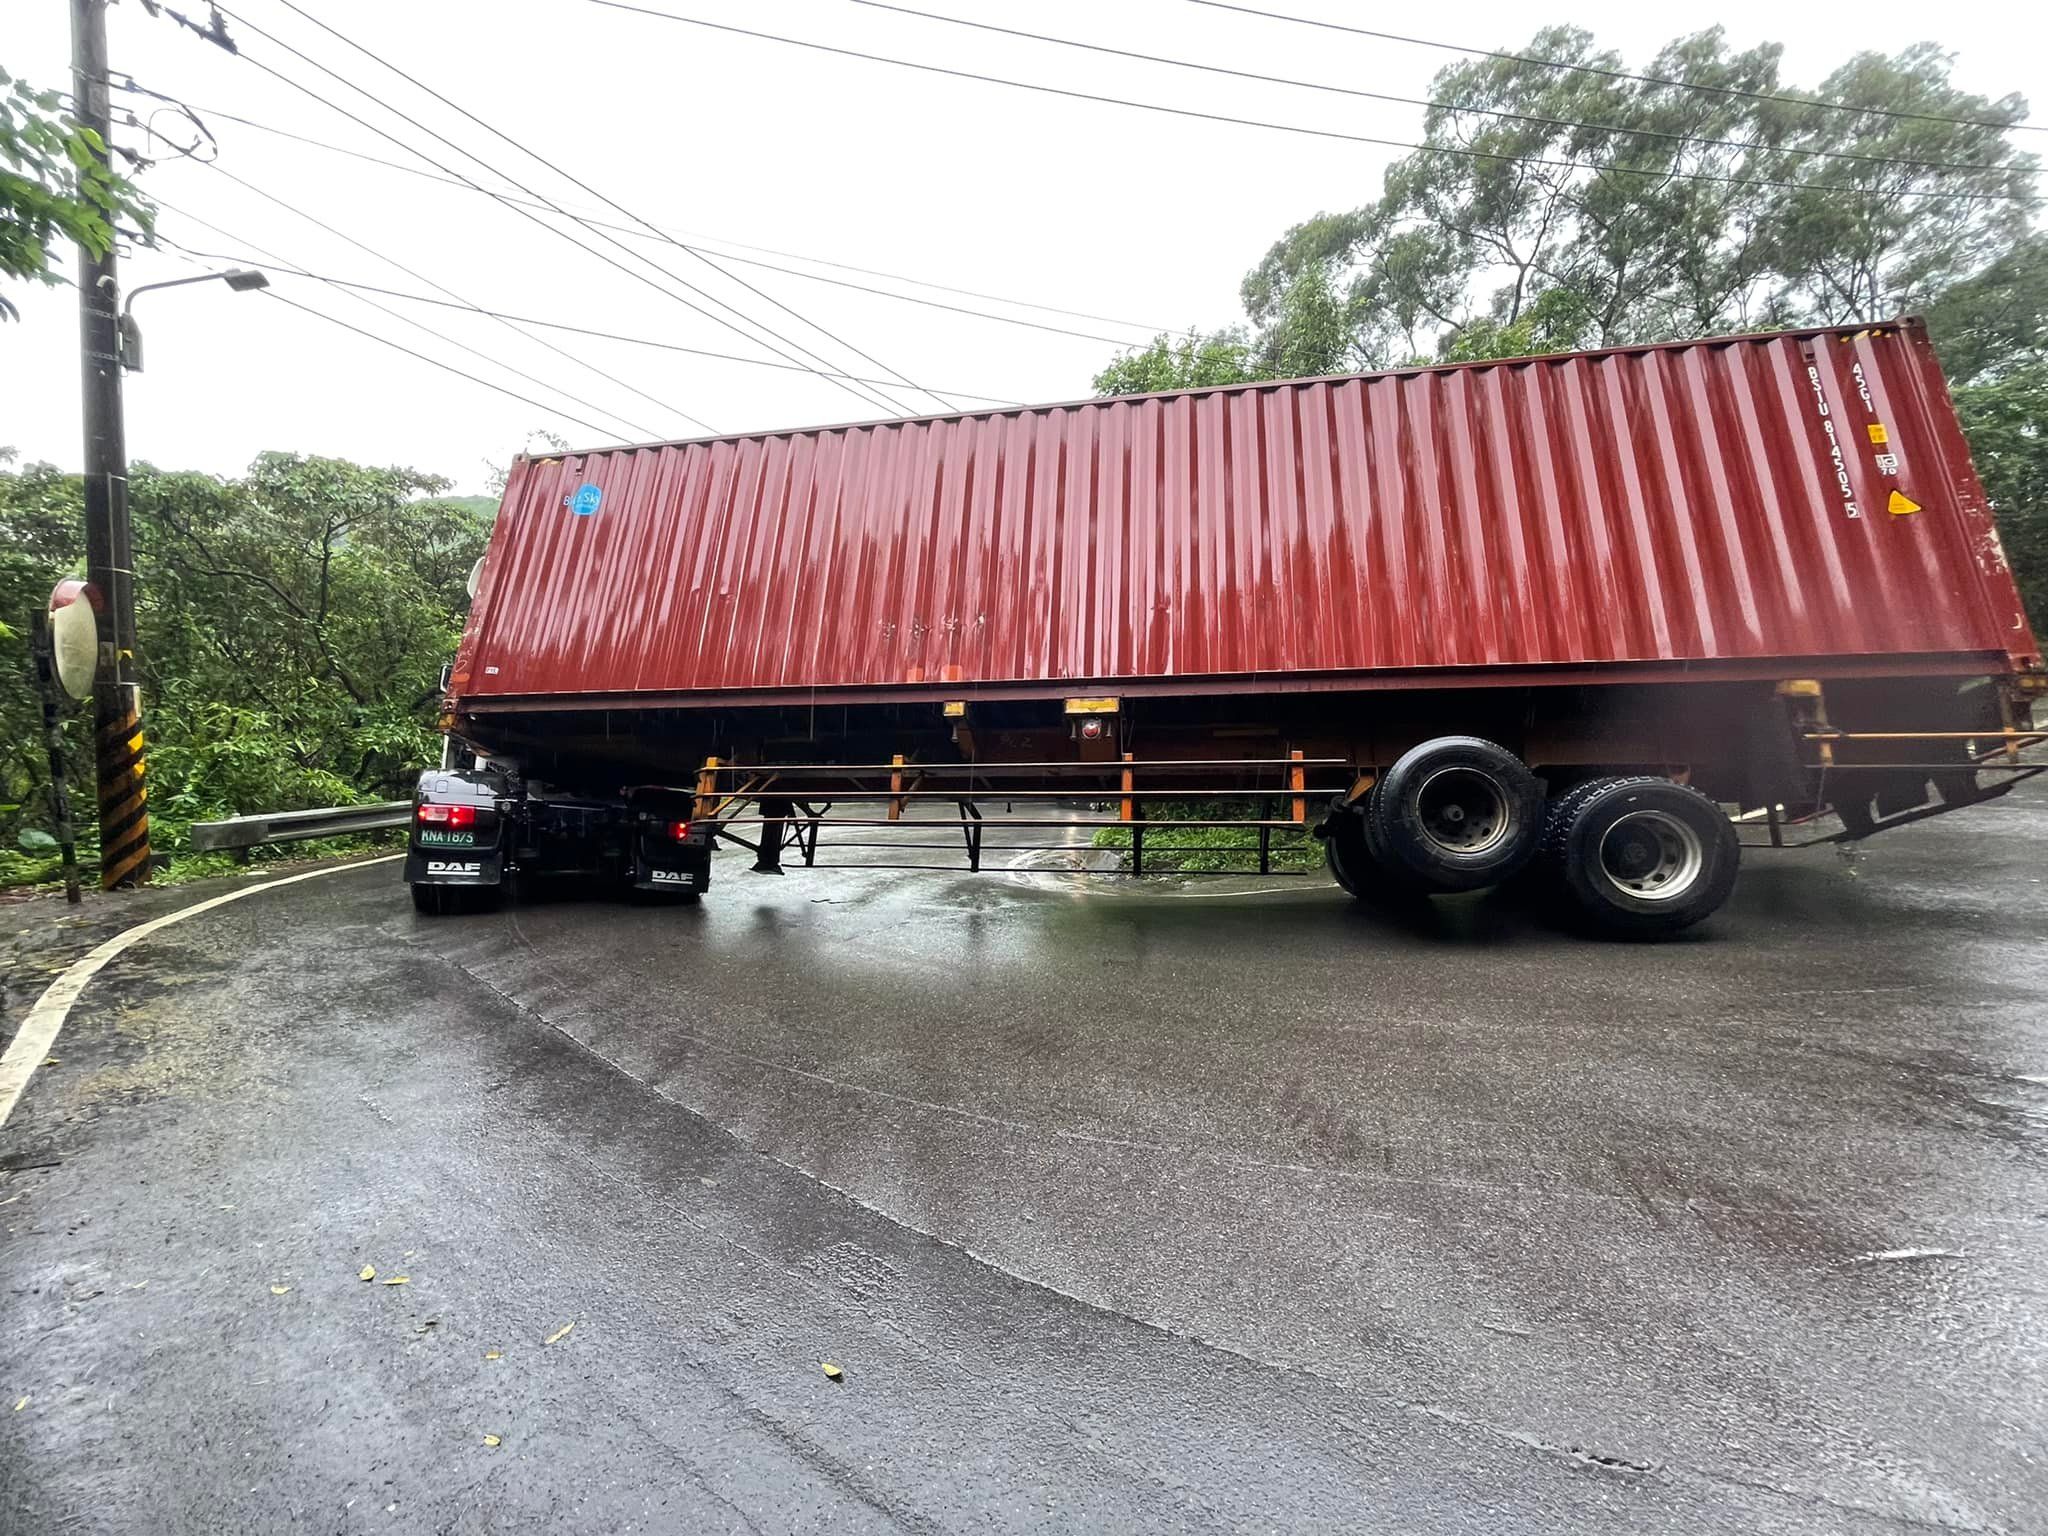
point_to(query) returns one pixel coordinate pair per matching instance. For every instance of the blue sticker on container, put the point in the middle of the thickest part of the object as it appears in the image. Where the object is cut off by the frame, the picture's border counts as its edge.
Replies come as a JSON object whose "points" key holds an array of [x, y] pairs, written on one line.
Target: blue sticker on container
{"points": [[586, 500]]}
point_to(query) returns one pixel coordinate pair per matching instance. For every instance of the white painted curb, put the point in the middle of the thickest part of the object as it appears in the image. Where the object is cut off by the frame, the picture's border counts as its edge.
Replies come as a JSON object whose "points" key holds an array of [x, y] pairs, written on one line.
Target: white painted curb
{"points": [[31, 1044]]}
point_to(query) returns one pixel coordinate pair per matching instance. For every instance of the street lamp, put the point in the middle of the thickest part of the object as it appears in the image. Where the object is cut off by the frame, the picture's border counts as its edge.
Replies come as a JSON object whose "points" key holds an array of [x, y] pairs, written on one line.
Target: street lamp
{"points": [[242, 280]]}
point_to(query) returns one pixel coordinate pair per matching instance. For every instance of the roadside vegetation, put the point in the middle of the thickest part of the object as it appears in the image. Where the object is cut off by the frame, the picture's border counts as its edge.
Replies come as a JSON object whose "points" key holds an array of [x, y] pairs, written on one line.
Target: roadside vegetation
{"points": [[293, 620], [1214, 850], [292, 626], [1559, 209]]}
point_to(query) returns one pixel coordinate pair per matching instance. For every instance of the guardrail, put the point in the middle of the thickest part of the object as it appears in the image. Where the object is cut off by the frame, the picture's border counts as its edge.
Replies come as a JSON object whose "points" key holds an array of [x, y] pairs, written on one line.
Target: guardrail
{"points": [[298, 826]]}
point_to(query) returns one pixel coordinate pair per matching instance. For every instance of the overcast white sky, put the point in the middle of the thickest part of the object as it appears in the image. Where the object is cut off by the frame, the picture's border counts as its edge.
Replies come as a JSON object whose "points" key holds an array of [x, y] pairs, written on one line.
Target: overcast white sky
{"points": [[732, 142]]}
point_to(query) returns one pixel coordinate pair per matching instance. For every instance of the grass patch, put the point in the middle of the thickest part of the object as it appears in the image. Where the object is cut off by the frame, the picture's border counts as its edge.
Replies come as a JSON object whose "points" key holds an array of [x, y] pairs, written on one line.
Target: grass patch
{"points": [[1212, 850]]}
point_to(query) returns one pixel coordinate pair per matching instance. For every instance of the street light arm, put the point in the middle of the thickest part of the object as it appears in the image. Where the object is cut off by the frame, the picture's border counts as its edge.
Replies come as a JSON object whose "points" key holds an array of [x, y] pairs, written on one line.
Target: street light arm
{"points": [[240, 280]]}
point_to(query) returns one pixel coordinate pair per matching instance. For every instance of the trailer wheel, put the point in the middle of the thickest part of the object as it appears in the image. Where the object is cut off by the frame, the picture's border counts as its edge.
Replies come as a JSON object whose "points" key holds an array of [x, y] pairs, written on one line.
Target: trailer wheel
{"points": [[1455, 814], [427, 899], [1345, 852], [1642, 857]]}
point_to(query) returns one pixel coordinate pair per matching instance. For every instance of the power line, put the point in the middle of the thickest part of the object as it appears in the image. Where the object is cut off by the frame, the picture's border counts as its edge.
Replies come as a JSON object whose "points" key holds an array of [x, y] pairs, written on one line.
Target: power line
{"points": [[612, 203], [348, 284], [1622, 74], [271, 258], [815, 277], [431, 361], [392, 261], [418, 276], [641, 277], [1419, 101], [1462, 151]]}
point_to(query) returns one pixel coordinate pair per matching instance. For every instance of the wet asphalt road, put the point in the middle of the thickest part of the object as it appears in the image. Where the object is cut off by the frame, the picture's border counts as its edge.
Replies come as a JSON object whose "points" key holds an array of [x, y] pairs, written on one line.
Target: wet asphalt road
{"points": [[1174, 1211]]}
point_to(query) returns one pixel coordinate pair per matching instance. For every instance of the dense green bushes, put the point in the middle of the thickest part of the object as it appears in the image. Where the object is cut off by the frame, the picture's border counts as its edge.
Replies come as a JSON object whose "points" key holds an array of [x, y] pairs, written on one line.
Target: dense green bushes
{"points": [[292, 627]]}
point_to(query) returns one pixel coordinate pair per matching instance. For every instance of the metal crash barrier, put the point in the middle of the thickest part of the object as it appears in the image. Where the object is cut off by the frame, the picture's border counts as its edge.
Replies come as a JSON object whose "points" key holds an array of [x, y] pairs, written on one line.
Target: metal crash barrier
{"points": [[300, 826]]}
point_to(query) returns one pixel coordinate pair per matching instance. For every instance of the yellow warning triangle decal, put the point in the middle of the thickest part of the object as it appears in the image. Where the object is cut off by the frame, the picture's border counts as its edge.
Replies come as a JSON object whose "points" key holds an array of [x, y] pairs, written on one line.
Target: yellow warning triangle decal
{"points": [[1901, 504]]}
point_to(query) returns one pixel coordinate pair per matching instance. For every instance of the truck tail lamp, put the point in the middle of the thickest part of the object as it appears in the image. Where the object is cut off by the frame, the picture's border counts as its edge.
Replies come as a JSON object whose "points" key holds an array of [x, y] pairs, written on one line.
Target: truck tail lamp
{"points": [[678, 831], [453, 817]]}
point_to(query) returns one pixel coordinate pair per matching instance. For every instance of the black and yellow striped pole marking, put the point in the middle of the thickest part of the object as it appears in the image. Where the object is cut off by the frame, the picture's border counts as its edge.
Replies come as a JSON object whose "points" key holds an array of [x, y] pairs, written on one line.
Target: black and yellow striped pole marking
{"points": [[124, 797]]}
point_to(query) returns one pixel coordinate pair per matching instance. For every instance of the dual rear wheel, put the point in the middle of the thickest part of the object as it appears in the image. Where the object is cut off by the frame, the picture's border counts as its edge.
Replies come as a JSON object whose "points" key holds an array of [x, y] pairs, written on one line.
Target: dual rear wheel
{"points": [[1635, 857]]}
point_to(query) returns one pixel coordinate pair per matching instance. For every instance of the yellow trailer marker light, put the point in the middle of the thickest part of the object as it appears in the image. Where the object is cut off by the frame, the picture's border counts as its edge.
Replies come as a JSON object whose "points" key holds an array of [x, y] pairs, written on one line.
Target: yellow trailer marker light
{"points": [[955, 708], [1095, 706]]}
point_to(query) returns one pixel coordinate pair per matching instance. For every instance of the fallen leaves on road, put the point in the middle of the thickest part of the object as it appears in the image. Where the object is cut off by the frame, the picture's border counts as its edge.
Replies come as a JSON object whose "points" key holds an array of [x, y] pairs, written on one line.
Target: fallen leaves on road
{"points": [[51, 1062], [21, 1405], [279, 1290], [492, 1440], [399, 1280], [369, 1272], [494, 1354], [560, 1334], [831, 1370]]}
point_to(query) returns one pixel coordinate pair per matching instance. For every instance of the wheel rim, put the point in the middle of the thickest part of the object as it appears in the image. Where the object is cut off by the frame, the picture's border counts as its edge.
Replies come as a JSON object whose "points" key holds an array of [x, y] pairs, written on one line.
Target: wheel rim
{"points": [[1463, 811], [1652, 855]]}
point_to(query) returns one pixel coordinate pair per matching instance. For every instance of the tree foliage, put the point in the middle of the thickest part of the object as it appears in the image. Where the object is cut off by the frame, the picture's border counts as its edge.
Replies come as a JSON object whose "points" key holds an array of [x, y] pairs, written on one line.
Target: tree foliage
{"points": [[292, 624], [55, 185], [1558, 209], [1647, 210], [2006, 419]]}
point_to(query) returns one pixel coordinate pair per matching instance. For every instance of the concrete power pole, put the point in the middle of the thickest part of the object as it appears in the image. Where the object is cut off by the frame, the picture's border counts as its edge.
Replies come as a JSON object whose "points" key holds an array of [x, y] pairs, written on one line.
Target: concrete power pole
{"points": [[109, 558]]}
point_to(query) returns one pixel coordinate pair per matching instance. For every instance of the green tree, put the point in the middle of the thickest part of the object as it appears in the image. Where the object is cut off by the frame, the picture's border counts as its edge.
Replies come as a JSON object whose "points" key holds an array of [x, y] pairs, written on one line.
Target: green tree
{"points": [[55, 186], [1192, 361], [2006, 419], [1562, 208], [292, 626], [313, 601], [1661, 210]]}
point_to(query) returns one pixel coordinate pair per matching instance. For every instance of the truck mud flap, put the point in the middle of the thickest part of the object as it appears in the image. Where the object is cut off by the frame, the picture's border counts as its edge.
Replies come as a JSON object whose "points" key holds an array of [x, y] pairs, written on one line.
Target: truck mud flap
{"points": [[675, 880], [454, 866]]}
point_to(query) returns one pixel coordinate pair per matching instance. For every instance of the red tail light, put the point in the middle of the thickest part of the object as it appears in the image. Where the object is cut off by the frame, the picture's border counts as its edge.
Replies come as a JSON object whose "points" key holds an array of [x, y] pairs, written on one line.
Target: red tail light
{"points": [[450, 816], [678, 831]]}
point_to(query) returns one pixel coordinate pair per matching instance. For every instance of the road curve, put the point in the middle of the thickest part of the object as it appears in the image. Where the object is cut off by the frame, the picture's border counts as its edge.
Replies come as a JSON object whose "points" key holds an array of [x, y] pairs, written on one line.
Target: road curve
{"points": [[1115, 1212]]}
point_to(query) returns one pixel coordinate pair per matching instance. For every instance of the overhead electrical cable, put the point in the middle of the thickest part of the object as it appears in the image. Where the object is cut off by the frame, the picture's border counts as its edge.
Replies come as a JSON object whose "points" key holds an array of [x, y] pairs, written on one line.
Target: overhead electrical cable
{"points": [[1622, 74], [393, 261], [1655, 173], [873, 398], [815, 277], [612, 203], [1419, 101], [435, 362], [556, 230], [351, 285], [271, 259]]}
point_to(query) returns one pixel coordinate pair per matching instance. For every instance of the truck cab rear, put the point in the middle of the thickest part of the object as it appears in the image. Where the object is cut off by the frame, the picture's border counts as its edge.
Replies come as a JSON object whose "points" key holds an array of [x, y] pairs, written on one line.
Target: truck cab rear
{"points": [[475, 830]]}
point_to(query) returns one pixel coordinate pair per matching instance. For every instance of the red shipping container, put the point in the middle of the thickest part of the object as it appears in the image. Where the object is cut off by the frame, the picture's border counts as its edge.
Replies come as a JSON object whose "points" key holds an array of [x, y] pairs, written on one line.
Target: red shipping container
{"points": [[1758, 506]]}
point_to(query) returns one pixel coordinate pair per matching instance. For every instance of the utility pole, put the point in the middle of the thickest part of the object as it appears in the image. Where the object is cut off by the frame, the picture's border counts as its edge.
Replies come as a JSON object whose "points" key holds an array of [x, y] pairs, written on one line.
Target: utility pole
{"points": [[109, 556]]}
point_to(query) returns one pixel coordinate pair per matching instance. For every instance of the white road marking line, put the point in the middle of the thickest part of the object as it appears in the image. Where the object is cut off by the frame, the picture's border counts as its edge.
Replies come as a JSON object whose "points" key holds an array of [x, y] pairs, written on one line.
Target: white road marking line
{"points": [[31, 1043]]}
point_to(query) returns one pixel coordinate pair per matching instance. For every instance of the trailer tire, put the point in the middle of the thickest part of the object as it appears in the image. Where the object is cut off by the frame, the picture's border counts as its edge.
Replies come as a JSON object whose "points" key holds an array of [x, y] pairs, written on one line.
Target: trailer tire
{"points": [[1455, 814], [1344, 850], [1641, 857], [426, 899]]}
